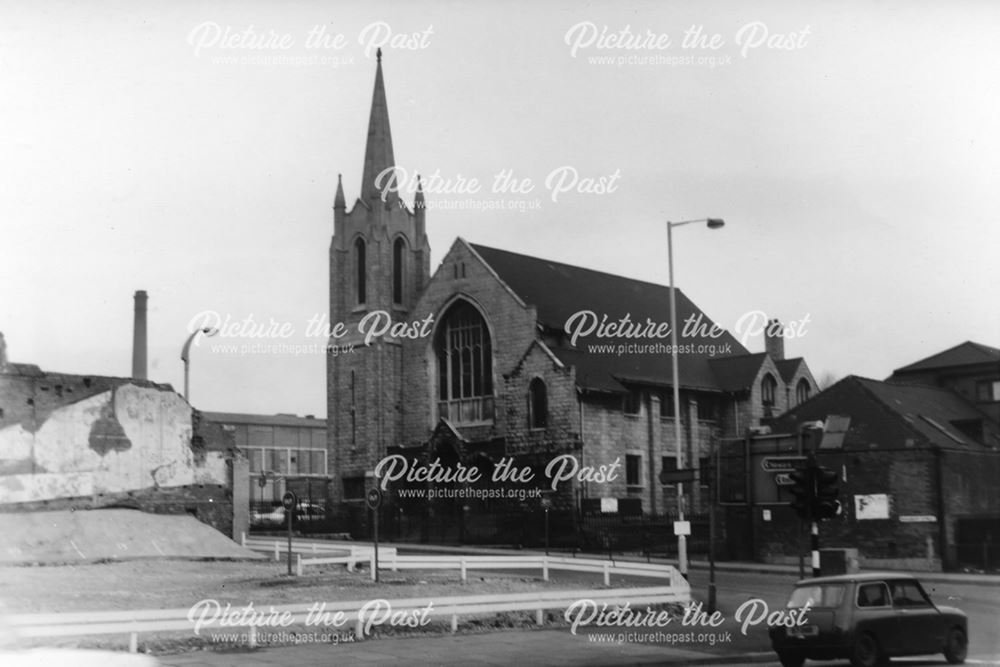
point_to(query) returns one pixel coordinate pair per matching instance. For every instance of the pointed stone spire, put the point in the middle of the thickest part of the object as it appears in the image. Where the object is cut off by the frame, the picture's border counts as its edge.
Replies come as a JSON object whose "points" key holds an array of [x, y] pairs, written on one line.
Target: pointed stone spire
{"points": [[418, 200], [378, 150], [339, 201]]}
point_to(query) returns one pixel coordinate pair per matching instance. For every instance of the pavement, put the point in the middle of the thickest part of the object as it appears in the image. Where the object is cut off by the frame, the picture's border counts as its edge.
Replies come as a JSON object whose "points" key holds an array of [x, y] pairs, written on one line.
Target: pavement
{"points": [[533, 647]]}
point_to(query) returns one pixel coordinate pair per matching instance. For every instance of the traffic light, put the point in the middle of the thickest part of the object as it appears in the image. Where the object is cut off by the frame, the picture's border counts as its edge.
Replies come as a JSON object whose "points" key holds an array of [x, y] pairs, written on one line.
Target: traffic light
{"points": [[827, 503], [803, 488]]}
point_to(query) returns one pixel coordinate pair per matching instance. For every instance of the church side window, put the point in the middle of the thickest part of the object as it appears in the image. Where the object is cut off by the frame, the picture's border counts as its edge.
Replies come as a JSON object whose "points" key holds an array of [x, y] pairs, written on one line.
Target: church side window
{"points": [[465, 366], [538, 406], [768, 387], [802, 390], [361, 274], [397, 271]]}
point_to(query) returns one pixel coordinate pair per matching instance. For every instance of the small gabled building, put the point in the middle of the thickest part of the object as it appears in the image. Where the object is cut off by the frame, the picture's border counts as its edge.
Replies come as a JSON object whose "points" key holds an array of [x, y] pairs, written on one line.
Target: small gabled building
{"points": [[918, 468]]}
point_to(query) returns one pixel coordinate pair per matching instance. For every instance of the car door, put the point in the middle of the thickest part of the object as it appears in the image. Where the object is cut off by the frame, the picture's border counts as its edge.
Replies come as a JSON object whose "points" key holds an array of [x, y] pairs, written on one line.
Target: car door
{"points": [[874, 615], [918, 622]]}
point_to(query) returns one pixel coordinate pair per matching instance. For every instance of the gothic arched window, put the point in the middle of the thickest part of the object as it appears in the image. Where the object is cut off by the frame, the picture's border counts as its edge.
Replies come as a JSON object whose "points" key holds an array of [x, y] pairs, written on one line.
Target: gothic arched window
{"points": [[538, 404], [768, 387], [802, 391], [397, 270], [360, 270], [465, 366]]}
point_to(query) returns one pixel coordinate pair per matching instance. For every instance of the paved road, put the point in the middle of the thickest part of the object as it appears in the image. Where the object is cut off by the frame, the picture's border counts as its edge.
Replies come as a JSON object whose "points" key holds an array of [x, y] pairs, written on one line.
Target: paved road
{"points": [[981, 603]]}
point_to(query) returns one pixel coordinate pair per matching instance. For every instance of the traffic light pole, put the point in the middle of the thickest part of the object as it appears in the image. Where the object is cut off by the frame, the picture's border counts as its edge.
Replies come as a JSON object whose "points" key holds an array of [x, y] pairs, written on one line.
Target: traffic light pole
{"points": [[815, 548]]}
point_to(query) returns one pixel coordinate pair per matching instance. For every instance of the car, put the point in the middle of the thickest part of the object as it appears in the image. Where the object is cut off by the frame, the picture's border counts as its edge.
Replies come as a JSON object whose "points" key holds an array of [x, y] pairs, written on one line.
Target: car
{"points": [[868, 618]]}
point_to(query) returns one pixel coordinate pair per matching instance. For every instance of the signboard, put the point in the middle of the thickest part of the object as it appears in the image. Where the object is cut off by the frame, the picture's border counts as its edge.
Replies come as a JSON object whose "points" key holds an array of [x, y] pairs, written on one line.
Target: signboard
{"points": [[682, 527], [609, 505], [373, 498], [782, 463], [918, 518], [783, 479], [288, 500], [766, 515], [685, 476], [871, 506]]}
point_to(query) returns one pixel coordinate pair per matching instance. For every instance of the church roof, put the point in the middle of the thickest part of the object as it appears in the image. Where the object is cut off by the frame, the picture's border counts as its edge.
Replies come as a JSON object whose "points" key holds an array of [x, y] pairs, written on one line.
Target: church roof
{"points": [[964, 354], [559, 291]]}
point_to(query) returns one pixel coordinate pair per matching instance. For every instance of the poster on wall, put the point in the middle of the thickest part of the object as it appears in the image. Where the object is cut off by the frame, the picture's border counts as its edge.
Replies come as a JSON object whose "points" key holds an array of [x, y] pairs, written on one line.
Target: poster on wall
{"points": [[871, 506]]}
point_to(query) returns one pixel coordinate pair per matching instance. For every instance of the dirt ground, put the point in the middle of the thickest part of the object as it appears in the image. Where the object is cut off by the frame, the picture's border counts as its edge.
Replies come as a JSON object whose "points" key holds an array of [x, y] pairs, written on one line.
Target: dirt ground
{"points": [[162, 584]]}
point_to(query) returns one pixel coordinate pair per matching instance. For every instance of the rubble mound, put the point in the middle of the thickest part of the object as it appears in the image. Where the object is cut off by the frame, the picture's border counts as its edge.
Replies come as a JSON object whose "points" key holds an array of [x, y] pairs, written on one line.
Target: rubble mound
{"points": [[87, 536]]}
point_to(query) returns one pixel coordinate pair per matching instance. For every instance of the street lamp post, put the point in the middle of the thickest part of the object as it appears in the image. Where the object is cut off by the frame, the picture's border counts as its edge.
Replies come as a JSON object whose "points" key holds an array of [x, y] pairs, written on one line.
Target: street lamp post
{"points": [[186, 354], [713, 223]]}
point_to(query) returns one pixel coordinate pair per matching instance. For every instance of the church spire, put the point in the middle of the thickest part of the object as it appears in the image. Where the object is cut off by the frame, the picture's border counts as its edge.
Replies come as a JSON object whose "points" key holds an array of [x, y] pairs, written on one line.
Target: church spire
{"points": [[378, 150], [339, 202]]}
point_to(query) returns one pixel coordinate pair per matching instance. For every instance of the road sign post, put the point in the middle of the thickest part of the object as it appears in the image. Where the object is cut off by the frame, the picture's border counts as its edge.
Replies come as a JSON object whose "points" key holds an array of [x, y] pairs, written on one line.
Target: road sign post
{"points": [[288, 502], [374, 500]]}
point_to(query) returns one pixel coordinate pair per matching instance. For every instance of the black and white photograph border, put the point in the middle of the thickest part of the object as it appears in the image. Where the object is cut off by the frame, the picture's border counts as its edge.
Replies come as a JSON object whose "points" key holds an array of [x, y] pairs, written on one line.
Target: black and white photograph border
{"points": [[545, 333]]}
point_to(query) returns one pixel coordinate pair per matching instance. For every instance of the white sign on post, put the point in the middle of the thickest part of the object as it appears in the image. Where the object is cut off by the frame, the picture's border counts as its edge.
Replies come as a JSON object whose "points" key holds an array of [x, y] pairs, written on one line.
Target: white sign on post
{"points": [[682, 527], [609, 505]]}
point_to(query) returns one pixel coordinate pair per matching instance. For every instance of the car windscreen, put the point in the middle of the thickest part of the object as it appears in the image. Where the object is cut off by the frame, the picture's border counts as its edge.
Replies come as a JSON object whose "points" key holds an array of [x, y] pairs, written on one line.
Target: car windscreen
{"points": [[817, 596]]}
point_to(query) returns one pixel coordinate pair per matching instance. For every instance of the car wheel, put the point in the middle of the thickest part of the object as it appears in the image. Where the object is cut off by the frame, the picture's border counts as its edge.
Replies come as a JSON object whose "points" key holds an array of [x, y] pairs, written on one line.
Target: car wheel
{"points": [[866, 652], [956, 647], [791, 659]]}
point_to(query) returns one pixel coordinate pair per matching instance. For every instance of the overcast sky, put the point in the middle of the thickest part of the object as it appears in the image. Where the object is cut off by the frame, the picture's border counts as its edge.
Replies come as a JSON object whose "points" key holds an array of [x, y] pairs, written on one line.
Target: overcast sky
{"points": [[852, 149]]}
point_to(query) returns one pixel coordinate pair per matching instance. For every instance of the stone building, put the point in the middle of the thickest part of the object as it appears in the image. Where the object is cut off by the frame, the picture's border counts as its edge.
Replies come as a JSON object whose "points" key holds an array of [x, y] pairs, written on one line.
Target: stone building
{"points": [[499, 354]]}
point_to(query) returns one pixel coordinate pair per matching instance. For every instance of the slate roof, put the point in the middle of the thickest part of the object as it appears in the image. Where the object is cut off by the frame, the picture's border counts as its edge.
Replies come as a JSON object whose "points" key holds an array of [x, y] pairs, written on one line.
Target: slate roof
{"points": [[788, 367], [964, 354], [557, 291], [888, 414]]}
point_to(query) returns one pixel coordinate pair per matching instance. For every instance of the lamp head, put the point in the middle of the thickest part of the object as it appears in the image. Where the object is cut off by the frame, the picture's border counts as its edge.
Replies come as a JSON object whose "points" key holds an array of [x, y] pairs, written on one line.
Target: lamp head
{"points": [[716, 223]]}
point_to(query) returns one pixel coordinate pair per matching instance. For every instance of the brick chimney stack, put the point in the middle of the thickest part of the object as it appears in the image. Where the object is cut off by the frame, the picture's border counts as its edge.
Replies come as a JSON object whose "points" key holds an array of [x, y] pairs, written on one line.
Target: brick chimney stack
{"points": [[774, 341], [139, 337]]}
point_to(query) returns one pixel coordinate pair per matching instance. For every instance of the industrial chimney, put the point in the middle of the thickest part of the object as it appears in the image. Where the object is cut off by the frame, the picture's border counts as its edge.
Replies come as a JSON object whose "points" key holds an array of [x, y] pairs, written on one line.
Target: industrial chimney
{"points": [[139, 337]]}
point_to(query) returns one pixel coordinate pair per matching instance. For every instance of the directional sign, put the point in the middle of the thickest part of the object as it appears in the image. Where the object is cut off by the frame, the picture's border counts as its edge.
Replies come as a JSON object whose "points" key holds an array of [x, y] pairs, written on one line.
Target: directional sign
{"points": [[677, 476], [783, 479], [782, 463], [682, 527], [373, 498], [288, 500]]}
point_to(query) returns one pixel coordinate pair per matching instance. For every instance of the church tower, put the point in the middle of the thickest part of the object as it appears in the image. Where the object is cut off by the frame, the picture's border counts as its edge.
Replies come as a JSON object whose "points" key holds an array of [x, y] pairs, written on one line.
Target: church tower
{"points": [[379, 261]]}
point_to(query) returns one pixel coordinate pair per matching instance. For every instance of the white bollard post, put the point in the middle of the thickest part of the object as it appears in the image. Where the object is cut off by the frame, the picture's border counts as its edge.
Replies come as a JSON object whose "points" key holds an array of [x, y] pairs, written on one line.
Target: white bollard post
{"points": [[298, 565], [539, 618], [243, 539], [395, 568], [371, 560], [314, 547], [133, 642], [454, 623], [465, 577], [359, 629], [607, 573], [277, 553], [252, 639], [545, 568]]}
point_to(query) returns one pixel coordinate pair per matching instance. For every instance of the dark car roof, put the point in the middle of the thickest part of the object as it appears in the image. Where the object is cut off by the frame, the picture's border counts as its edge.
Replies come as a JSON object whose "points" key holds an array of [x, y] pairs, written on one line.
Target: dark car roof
{"points": [[858, 576]]}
